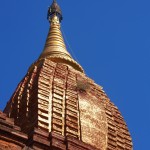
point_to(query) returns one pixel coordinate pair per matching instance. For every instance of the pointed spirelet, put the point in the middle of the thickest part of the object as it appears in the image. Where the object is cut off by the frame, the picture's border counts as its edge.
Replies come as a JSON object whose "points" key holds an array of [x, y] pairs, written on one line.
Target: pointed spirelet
{"points": [[55, 48]]}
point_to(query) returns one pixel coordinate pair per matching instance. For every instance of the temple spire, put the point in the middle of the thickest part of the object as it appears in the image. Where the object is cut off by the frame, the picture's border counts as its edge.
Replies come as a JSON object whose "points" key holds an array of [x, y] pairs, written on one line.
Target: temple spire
{"points": [[55, 48]]}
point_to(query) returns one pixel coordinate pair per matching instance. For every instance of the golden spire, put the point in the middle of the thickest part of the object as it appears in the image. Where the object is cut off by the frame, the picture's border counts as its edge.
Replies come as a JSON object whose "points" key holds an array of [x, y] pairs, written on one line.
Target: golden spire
{"points": [[55, 48]]}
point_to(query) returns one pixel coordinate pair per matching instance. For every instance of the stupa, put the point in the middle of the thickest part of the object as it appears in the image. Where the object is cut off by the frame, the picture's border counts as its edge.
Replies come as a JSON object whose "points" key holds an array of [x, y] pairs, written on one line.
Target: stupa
{"points": [[57, 107]]}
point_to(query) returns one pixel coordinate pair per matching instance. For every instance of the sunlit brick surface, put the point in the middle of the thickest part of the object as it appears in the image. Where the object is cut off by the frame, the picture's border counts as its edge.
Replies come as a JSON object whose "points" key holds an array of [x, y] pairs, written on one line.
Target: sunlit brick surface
{"points": [[56, 98]]}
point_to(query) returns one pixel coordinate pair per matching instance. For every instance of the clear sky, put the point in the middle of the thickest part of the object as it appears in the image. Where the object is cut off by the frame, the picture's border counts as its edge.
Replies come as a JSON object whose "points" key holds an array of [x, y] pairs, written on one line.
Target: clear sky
{"points": [[109, 38]]}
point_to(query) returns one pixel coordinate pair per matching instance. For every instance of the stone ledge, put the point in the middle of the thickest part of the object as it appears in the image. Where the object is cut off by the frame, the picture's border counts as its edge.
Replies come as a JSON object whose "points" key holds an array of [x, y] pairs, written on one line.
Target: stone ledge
{"points": [[10, 135], [41, 140]]}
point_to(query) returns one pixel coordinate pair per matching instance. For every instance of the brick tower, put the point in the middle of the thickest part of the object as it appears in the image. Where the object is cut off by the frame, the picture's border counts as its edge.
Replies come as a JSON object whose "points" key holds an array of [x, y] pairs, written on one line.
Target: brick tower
{"points": [[57, 107]]}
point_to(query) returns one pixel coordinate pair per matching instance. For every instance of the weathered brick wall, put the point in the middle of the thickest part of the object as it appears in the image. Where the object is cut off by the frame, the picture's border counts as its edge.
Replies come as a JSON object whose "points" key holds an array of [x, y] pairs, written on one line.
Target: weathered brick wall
{"points": [[11, 137], [9, 146], [56, 98]]}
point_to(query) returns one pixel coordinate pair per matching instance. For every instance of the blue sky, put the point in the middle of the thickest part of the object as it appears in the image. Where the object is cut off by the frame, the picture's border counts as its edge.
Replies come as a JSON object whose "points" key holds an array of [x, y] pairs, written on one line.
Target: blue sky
{"points": [[110, 39]]}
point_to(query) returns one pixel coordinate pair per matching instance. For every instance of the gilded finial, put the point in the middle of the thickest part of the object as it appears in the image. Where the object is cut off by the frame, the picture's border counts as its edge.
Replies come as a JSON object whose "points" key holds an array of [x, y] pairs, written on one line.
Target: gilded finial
{"points": [[54, 9], [55, 47]]}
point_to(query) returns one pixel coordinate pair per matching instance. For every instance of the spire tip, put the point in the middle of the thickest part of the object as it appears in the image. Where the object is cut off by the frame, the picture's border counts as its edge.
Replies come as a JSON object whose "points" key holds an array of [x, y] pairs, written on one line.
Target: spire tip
{"points": [[54, 9]]}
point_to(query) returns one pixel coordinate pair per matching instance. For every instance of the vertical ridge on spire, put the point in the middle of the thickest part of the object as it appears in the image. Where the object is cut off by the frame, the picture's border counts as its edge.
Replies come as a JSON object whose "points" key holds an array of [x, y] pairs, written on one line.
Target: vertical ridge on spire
{"points": [[55, 48]]}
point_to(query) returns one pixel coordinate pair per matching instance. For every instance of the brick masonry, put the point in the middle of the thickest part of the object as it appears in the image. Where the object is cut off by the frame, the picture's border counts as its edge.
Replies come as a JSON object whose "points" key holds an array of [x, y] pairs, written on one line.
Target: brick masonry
{"points": [[57, 106]]}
